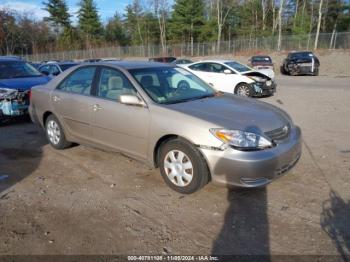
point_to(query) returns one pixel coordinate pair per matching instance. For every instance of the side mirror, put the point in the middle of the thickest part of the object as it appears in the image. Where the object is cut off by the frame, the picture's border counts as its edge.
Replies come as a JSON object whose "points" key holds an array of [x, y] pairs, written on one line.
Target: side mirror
{"points": [[46, 73], [131, 100], [227, 71], [56, 73]]}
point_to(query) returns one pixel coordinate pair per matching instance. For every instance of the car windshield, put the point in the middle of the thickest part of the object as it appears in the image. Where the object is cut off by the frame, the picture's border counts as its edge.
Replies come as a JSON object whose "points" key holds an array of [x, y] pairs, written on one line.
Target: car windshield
{"points": [[66, 66], [237, 66], [263, 59], [302, 55], [17, 69], [167, 85]]}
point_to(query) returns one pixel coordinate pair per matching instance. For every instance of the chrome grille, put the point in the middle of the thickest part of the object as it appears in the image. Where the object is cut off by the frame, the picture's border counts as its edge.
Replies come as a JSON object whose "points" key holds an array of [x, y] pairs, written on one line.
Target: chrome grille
{"points": [[279, 133]]}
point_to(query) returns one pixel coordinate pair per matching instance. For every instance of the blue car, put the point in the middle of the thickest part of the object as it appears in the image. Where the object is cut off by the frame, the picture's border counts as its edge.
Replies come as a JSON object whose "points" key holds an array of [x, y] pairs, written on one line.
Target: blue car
{"points": [[17, 77]]}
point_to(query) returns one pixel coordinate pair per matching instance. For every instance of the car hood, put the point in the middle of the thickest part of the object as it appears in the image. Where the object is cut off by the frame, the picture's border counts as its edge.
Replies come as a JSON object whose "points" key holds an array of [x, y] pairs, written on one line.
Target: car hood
{"points": [[261, 73], [233, 112], [23, 84]]}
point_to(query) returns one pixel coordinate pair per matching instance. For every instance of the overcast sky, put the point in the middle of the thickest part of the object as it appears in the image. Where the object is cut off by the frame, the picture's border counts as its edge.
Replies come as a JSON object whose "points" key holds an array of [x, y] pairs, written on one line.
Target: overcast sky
{"points": [[106, 8]]}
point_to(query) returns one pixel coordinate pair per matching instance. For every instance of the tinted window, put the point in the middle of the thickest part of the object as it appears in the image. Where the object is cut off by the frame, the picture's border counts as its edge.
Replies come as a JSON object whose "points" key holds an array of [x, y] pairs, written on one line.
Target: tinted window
{"points": [[301, 55], [17, 69], [201, 67], [44, 68], [216, 68], [237, 66], [261, 59], [113, 84], [183, 61], [79, 82], [66, 66], [171, 85], [54, 70]]}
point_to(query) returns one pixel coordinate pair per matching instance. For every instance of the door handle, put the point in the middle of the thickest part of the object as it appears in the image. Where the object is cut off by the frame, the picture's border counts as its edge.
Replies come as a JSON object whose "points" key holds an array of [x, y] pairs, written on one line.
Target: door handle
{"points": [[56, 98], [96, 107]]}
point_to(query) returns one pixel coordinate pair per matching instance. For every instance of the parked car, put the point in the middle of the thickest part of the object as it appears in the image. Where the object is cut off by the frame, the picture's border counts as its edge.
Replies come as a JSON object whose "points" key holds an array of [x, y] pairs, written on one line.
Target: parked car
{"points": [[182, 61], [17, 77], [163, 59], [233, 77], [171, 60], [301, 63], [92, 60], [259, 62], [55, 68], [193, 133], [105, 59], [35, 65]]}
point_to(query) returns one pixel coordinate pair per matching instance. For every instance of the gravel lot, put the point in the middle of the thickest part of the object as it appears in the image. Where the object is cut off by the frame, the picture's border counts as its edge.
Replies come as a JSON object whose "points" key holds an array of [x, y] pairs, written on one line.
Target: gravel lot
{"points": [[86, 201]]}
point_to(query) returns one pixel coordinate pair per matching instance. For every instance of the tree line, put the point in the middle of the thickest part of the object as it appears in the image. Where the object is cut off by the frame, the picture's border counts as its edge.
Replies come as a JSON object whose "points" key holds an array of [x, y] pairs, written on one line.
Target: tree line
{"points": [[157, 22]]}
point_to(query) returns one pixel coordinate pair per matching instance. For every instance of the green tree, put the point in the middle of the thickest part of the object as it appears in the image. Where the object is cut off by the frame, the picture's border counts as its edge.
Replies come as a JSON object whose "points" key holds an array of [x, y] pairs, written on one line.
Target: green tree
{"points": [[186, 21], [115, 31], [58, 12], [134, 17], [89, 22]]}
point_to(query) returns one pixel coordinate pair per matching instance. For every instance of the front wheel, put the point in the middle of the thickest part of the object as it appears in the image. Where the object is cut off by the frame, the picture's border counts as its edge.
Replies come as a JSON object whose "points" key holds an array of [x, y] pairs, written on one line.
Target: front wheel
{"points": [[55, 133], [244, 89], [182, 166]]}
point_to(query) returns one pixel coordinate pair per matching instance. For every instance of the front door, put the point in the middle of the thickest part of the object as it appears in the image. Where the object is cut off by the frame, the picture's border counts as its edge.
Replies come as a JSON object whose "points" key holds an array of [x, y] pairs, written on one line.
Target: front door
{"points": [[72, 102], [122, 127]]}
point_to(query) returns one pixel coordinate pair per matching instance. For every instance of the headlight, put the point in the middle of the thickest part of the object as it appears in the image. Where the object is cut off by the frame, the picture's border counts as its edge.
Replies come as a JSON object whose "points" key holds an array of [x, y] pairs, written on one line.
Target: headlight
{"points": [[241, 140], [6, 93]]}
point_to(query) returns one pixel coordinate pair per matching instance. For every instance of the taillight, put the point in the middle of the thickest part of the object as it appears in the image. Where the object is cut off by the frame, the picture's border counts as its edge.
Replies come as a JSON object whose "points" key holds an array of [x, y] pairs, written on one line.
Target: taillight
{"points": [[30, 94]]}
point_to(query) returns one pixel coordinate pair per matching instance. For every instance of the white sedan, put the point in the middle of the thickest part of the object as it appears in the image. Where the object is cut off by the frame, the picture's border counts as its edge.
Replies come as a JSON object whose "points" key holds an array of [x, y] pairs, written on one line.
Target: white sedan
{"points": [[232, 77]]}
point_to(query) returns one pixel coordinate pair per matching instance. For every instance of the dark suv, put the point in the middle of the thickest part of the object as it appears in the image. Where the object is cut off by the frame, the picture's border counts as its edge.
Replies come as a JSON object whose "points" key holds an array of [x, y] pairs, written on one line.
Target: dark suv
{"points": [[300, 63]]}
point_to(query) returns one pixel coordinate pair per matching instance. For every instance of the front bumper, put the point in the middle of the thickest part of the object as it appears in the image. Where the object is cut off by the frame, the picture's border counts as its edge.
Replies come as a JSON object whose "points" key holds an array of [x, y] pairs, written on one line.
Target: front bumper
{"points": [[253, 168], [14, 104], [307, 70], [264, 90]]}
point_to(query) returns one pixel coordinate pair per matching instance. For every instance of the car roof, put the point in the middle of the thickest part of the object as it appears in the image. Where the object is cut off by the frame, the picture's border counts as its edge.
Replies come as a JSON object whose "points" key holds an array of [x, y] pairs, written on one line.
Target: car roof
{"points": [[261, 56], [301, 52], [134, 64]]}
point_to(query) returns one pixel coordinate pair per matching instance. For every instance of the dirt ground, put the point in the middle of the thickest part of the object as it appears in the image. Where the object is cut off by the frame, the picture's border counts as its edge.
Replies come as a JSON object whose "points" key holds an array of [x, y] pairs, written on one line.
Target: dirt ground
{"points": [[86, 201]]}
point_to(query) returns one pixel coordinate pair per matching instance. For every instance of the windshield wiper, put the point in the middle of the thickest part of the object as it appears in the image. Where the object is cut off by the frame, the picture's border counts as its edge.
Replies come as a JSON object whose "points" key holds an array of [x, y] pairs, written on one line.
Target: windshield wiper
{"points": [[190, 99]]}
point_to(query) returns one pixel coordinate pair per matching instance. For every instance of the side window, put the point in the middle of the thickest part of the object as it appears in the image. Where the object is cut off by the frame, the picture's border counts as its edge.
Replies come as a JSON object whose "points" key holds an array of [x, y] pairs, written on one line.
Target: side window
{"points": [[79, 82], [216, 68], [54, 70], [200, 67], [113, 84], [44, 68]]}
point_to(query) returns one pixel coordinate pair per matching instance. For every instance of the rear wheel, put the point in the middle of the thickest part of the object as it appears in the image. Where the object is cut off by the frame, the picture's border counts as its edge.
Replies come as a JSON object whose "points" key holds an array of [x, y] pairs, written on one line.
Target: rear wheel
{"points": [[244, 89], [182, 166], [55, 133]]}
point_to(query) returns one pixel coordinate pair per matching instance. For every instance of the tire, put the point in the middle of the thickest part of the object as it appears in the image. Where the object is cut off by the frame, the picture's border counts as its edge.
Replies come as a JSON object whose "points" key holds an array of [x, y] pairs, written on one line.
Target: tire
{"points": [[283, 71], [182, 166], [55, 134], [244, 90]]}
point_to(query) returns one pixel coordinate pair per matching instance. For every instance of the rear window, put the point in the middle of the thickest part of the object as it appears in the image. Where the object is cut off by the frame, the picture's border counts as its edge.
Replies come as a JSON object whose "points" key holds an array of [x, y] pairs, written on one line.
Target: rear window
{"points": [[262, 59]]}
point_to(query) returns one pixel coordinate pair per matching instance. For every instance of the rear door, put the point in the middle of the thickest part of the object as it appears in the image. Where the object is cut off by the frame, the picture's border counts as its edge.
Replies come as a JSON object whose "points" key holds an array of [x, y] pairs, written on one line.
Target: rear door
{"points": [[122, 127], [73, 103]]}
